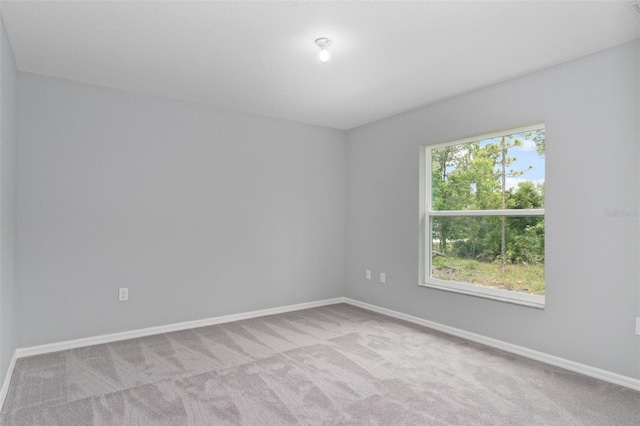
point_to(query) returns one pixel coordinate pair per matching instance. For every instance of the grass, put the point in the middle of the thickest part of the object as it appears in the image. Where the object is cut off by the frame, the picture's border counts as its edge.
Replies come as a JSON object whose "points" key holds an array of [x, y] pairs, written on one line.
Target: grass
{"points": [[521, 278]]}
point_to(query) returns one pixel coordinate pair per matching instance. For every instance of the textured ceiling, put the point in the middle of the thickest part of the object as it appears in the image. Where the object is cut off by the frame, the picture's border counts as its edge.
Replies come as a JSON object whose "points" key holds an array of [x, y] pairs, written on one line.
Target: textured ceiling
{"points": [[260, 57]]}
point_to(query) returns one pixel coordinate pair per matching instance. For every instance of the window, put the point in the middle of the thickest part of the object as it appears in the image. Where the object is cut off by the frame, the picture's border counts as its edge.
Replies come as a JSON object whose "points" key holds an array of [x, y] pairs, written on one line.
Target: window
{"points": [[482, 213]]}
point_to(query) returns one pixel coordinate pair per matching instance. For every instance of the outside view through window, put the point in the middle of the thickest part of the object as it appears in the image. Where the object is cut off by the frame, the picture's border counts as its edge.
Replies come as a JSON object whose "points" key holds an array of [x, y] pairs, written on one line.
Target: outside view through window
{"points": [[473, 239]]}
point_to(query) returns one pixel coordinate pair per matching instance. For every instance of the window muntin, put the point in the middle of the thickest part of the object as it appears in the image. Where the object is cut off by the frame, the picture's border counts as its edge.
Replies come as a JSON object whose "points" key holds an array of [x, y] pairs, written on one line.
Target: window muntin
{"points": [[484, 215]]}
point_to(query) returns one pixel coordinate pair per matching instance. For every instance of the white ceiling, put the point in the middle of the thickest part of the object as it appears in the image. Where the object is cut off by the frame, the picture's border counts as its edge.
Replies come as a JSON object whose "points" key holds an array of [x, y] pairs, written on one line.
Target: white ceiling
{"points": [[260, 57]]}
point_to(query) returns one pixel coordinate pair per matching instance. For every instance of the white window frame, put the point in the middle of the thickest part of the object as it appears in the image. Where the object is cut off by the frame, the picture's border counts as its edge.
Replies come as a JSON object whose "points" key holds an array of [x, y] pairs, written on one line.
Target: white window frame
{"points": [[427, 214]]}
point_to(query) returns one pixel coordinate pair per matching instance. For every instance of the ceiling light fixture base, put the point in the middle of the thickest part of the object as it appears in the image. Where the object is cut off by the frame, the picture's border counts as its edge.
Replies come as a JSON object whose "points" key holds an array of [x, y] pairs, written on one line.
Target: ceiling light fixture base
{"points": [[323, 42]]}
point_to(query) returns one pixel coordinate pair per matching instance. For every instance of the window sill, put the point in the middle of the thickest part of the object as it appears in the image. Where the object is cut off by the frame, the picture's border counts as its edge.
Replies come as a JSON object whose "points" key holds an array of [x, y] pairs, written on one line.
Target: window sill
{"points": [[523, 299]]}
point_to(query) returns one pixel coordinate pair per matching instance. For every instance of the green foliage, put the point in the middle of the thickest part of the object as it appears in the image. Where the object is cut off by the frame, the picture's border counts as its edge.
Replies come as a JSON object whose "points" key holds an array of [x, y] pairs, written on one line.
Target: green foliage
{"points": [[473, 176], [527, 196], [538, 137], [527, 246]]}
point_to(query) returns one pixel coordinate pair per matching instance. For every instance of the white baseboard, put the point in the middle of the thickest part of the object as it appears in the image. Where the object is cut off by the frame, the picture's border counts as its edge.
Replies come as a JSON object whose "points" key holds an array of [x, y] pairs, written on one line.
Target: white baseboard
{"points": [[587, 370], [519, 350], [107, 338], [7, 379]]}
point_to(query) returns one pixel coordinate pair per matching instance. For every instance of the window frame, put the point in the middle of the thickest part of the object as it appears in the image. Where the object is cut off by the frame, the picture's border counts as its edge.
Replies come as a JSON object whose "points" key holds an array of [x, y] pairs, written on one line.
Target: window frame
{"points": [[426, 220]]}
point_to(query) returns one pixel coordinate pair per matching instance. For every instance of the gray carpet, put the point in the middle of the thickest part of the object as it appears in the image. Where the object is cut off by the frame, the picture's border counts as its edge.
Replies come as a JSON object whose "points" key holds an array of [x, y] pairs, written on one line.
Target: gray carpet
{"points": [[330, 365]]}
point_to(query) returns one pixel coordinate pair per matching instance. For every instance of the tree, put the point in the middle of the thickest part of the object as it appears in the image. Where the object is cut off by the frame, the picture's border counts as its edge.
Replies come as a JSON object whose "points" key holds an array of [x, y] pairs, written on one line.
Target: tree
{"points": [[451, 187], [500, 153], [538, 137], [526, 234], [441, 163]]}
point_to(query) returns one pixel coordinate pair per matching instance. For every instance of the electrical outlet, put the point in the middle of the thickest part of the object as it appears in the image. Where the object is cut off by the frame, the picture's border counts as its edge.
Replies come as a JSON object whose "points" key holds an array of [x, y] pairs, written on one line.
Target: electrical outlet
{"points": [[383, 277], [367, 274], [638, 326], [123, 294]]}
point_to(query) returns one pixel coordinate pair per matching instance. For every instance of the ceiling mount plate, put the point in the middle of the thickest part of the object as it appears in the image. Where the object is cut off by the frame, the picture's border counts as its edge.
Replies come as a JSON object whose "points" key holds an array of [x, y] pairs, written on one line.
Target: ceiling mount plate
{"points": [[323, 42]]}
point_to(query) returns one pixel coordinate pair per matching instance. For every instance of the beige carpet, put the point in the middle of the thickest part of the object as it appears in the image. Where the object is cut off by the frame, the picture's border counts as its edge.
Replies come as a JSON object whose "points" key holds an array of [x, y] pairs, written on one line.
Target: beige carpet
{"points": [[331, 365]]}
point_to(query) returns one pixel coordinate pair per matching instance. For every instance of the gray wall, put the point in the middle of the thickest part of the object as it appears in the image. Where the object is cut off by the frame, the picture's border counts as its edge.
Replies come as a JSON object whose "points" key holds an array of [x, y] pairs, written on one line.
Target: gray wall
{"points": [[198, 211], [8, 86], [590, 107], [202, 212]]}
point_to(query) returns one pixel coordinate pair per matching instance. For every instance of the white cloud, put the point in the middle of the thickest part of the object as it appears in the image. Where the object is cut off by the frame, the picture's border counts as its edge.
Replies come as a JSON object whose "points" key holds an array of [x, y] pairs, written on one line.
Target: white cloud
{"points": [[527, 145]]}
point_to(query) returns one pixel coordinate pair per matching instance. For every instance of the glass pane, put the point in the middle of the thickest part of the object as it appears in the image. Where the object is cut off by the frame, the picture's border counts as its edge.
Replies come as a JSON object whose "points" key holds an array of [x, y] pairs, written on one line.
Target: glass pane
{"points": [[475, 250], [490, 174]]}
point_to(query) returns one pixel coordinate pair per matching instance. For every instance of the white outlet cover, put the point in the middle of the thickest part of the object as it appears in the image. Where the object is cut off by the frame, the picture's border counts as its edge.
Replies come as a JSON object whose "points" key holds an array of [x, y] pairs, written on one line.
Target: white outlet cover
{"points": [[383, 277], [367, 274], [123, 294], [638, 326]]}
